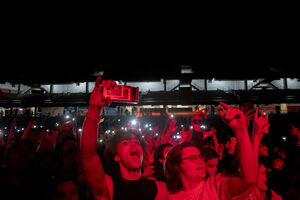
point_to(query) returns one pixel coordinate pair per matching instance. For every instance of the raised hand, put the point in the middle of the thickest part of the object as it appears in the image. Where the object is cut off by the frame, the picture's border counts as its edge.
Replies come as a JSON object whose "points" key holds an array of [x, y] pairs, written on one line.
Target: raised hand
{"points": [[221, 150], [263, 150], [96, 98], [173, 126], [260, 125], [11, 132], [171, 129], [248, 115], [232, 117], [199, 115], [185, 135], [30, 124], [154, 130], [97, 102], [296, 131], [211, 132]]}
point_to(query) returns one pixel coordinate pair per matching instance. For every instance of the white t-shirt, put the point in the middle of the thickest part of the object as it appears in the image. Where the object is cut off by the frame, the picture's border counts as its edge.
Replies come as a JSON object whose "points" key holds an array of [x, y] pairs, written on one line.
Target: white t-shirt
{"points": [[213, 188]]}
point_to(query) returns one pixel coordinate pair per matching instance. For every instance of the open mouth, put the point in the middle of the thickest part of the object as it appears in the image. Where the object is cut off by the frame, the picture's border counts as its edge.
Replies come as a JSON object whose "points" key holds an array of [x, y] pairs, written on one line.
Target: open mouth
{"points": [[134, 153]]}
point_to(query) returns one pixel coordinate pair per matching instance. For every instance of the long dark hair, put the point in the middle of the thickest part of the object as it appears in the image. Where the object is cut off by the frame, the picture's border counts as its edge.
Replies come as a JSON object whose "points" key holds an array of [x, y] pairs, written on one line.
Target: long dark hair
{"points": [[172, 166]]}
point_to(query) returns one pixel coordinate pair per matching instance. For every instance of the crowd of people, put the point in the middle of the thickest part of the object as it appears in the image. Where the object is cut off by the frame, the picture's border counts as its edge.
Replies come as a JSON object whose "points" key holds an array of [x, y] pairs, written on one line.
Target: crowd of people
{"points": [[132, 163]]}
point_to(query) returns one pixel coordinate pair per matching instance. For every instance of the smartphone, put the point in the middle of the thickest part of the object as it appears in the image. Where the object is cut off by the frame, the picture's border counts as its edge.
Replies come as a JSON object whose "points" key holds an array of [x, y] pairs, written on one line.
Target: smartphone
{"points": [[122, 93]]}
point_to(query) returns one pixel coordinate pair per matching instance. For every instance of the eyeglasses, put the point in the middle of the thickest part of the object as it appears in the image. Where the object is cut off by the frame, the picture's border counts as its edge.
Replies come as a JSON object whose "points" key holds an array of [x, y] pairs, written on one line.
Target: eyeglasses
{"points": [[194, 158]]}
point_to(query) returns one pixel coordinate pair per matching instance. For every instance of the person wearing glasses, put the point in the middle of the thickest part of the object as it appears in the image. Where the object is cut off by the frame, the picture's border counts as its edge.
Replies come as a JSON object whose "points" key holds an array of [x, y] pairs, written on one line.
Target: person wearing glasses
{"points": [[185, 166]]}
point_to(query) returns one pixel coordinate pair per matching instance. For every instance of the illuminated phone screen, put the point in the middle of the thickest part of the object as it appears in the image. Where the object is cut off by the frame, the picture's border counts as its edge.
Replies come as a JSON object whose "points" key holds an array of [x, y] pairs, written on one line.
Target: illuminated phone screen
{"points": [[122, 93]]}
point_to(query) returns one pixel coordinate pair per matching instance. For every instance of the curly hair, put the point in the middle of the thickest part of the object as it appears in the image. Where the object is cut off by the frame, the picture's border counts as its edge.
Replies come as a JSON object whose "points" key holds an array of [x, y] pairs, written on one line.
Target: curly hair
{"points": [[110, 166]]}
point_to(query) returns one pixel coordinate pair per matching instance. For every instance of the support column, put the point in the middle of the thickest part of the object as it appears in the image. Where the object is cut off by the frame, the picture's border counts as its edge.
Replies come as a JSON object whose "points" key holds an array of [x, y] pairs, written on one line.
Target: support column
{"points": [[245, 85], [19, 88], [285, 85], [87, 87], [51, 88]]}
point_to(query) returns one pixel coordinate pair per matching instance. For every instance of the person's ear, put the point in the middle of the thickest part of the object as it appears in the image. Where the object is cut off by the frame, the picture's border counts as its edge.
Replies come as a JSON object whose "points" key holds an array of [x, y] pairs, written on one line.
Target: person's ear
{"points": [[117, 158]]}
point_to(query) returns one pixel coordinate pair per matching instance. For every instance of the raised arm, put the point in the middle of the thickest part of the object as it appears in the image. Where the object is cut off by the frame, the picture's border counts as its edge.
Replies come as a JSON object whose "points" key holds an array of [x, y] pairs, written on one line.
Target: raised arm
{"points": [[260, 127], [172, 128], [95, 176], [235, 119], [25, 133], [199, 115]]}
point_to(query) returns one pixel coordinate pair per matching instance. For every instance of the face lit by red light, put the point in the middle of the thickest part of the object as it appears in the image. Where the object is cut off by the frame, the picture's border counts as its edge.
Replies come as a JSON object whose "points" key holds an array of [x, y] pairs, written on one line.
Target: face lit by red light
{"points": [[192, 164], [130, 153], [211, 166], [262, 178], [67, 190]]}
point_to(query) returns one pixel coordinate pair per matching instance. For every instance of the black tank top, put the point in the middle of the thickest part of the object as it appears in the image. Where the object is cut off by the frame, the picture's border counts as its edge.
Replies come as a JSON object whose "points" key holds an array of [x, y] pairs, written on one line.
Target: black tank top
{"points": [[134, 190]]}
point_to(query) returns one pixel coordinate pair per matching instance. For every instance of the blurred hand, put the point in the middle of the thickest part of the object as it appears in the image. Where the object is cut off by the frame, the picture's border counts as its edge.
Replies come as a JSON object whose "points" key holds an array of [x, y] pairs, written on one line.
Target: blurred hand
{"points": [[260, 125], [249, 116], [199, 115]]}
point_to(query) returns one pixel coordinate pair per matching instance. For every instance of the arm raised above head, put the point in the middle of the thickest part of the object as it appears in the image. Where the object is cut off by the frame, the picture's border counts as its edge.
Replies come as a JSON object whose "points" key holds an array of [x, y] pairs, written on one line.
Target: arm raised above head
{"points": [[92, 165], [235, 119]]}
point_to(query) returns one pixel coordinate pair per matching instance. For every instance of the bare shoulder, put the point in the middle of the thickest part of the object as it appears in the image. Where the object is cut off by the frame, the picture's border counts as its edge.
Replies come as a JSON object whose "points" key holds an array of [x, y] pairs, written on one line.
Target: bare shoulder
{"points": [[162, 191]]}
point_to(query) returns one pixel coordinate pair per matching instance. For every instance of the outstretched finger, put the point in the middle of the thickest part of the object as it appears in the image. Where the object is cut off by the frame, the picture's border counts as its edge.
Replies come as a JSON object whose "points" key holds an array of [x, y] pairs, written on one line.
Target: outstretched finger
{"points": [[225, 106], [248, 113], [256, 113], [267, 117], [202, 110], [97, 83]]}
